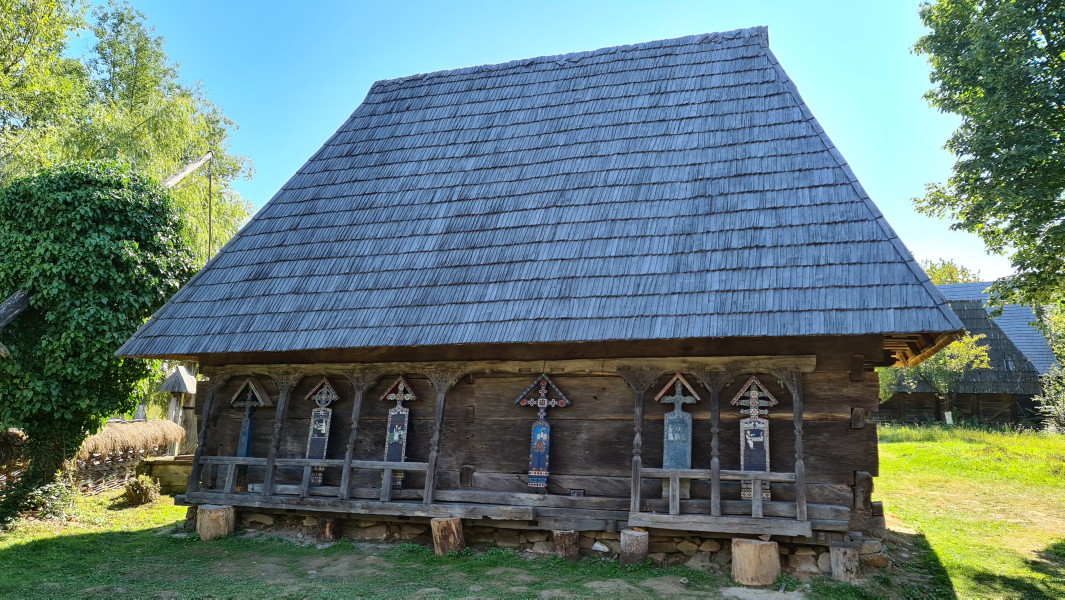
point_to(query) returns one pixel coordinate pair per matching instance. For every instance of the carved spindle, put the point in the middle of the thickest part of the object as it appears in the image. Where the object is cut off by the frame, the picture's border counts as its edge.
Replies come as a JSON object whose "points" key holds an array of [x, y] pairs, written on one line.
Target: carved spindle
{"points": [[361, 381], [442, 378], [715, 381], [216, 379], [639, 379], [285, 380]]}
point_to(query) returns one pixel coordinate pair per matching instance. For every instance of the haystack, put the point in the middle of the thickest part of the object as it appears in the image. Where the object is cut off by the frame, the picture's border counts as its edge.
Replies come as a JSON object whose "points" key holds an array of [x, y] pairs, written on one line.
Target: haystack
{"points": [[123, 436]]}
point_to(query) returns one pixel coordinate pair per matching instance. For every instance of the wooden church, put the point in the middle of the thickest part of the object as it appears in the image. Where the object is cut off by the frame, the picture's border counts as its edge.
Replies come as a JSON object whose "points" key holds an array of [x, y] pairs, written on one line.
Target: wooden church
{"points": [[637, 286]]}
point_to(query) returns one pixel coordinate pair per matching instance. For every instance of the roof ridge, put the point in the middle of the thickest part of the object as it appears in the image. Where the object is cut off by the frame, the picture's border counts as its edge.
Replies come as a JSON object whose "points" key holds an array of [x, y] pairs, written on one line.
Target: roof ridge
{"points": [[878, 217], [758, 34]]}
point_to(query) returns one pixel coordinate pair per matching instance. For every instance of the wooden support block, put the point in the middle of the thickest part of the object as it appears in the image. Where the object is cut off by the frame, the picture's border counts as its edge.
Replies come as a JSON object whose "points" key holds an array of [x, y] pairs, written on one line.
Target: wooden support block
{"points": [[633, 547], [328, 530], [566, 543], [845, 564], [447, 536], [214, 521], [755, 562], [859, 417], [857, 367], [863, 490]]}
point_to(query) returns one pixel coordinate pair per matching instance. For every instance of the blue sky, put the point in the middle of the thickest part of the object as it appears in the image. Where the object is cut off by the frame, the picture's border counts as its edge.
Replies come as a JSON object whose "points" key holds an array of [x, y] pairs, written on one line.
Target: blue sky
{"points": [[290, 73]]}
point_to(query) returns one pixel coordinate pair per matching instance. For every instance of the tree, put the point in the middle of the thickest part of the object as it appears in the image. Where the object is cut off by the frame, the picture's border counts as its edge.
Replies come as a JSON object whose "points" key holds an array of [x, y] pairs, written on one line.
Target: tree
{"points": [[941, 373], [126, 104], [98, 248], [1000, 66], [1051, 400], [947, 271]]}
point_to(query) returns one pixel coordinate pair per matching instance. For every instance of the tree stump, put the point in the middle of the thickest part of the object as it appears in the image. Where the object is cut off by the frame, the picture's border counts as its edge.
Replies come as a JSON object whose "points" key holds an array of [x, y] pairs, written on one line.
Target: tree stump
{"points": [[566, 544], [328, 530], [845, 565], [214, 521], [755, 562], [633, 547], [447, 536]]}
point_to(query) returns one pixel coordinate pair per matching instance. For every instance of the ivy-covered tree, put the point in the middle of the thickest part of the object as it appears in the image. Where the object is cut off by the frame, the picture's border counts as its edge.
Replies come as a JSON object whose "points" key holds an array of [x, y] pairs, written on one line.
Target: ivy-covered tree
{"points": [[999, 66], [1051, 400], [942, 373], [97, 248]]}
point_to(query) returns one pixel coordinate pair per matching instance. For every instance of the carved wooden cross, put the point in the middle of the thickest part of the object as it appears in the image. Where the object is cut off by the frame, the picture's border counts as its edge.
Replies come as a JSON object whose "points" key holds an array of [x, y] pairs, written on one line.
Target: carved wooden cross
{"points": [[398, 425], [323, 395], [540, 443], [754, 432], [677, 445], [249, 396]]}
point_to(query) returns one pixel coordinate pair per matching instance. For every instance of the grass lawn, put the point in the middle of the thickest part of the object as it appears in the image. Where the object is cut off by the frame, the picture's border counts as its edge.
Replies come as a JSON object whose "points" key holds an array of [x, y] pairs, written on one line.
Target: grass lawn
{"points": [[991, 505], [979, 515]]}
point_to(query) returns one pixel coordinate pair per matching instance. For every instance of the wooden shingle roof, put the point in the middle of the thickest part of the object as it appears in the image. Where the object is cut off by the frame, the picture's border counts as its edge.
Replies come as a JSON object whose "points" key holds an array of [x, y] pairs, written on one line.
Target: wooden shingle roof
{"points": [[672, 189]]}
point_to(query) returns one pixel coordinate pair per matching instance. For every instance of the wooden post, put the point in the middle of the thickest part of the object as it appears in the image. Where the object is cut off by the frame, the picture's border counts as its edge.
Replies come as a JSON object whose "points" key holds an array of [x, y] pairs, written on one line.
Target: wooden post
{"points": [[639, 379], [633, 547], [792, 380], [361, 381], [216, 379], [442, 378], [566, 543], [715, 381], [447, 536], [328, 530], [755, 562], [214, 521], [845, 564], [285, 380]]}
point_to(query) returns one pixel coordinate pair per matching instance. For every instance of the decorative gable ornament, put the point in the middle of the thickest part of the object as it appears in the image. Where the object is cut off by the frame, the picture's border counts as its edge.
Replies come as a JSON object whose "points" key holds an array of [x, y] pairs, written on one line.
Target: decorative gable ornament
{"points": [[398, 425], [754, 432], [677, 443], [249, 396], [541, 395], [322, 395]]}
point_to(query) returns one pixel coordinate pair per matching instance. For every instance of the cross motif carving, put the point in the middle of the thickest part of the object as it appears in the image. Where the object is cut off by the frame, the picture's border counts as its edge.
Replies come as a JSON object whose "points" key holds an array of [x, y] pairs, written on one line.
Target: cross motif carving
{"points": [[546, 396], [542, 400], [399, 393], [755, 398]]}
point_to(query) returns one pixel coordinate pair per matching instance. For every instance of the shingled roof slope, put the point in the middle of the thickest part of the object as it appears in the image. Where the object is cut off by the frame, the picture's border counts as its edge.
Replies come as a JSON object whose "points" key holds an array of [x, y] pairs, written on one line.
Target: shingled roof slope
{"points": [[1015, 321], [665, 190]]}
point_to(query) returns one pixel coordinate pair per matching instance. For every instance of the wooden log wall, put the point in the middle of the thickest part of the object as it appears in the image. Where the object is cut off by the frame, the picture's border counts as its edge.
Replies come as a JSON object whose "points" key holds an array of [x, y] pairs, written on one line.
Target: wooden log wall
{"points": [[485, 436]]}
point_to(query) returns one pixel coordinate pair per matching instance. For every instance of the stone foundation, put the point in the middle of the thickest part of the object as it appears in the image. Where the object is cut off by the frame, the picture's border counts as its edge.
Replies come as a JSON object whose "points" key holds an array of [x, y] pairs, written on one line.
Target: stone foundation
{"points": [[799, 556]]}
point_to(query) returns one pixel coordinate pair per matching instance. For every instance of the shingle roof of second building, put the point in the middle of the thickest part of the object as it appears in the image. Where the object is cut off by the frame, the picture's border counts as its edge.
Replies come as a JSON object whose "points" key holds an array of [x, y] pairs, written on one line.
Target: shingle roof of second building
{"points": [[1016, 322], [665, 190]]}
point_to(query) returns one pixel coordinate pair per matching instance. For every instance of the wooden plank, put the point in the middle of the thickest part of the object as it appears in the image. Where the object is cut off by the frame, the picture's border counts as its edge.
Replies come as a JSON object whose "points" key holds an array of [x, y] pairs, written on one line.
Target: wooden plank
{"points": [[305, 486], [756, 499], [386, 486], [674, 494], [725, 475], [231, 478], [394, 508], [748, 525]]}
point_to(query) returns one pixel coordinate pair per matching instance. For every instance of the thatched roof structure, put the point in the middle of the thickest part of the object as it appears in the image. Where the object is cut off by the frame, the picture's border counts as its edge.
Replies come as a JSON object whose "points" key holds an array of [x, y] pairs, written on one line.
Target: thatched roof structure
{"points": [[670, 190], [117, 436]]}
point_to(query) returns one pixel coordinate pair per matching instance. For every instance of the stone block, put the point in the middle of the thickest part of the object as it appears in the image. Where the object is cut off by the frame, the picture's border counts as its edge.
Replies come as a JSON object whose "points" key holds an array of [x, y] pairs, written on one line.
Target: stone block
{"points": [[310, 521], [723, 557], [879, 560], [687, 548], [804, 564], [870, 546], [586, 542], [535, 536], [609, 535], [824, 562], [376, 532], [805, 551], [699, 561], [254, 517], [709, 546], [543, 547], [657, 558], [662, 547]]}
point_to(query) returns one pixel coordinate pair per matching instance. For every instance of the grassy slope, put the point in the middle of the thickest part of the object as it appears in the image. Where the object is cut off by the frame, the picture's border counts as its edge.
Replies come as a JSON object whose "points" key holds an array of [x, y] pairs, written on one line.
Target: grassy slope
{"points": [[991, 504]]}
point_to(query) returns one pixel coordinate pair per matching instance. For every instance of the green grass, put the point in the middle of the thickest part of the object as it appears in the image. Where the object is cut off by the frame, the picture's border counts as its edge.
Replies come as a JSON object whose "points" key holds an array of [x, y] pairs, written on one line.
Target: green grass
{"points": [[113, 552], [990, 503]]}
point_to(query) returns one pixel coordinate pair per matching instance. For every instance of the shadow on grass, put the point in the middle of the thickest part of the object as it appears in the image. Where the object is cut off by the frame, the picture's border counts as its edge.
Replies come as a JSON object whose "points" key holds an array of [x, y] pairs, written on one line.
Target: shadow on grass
{"points": [[1049, 562]]}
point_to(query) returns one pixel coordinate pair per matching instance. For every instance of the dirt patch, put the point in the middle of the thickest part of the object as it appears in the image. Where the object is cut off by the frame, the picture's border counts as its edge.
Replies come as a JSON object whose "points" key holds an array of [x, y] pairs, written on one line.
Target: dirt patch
{"points": [[512, 575], [615, 588], [673, 587], [756, 594]]}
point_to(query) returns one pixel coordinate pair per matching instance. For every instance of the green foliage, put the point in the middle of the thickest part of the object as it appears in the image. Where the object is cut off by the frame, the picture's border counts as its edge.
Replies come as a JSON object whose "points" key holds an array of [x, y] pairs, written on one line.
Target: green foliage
{"points": [[52, 501], [124, 103], [941, 372], [142, 490], [1052, 399], [947, 271], [99, 248], [998, 66]]}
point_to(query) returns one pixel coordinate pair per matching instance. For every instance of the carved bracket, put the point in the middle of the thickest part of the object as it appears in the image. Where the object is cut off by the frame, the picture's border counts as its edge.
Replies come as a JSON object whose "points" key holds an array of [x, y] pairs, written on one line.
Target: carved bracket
{"points": [[443, 378], [362, 378], [639, 378]]}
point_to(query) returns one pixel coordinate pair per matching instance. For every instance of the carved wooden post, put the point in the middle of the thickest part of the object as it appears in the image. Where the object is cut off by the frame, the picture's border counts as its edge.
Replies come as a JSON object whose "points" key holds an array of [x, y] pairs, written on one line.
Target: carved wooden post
{"points": [[639, 379], [216, 379], [361, 381], [793, 381], [285, 380], [442, 378], [715, 381]]}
